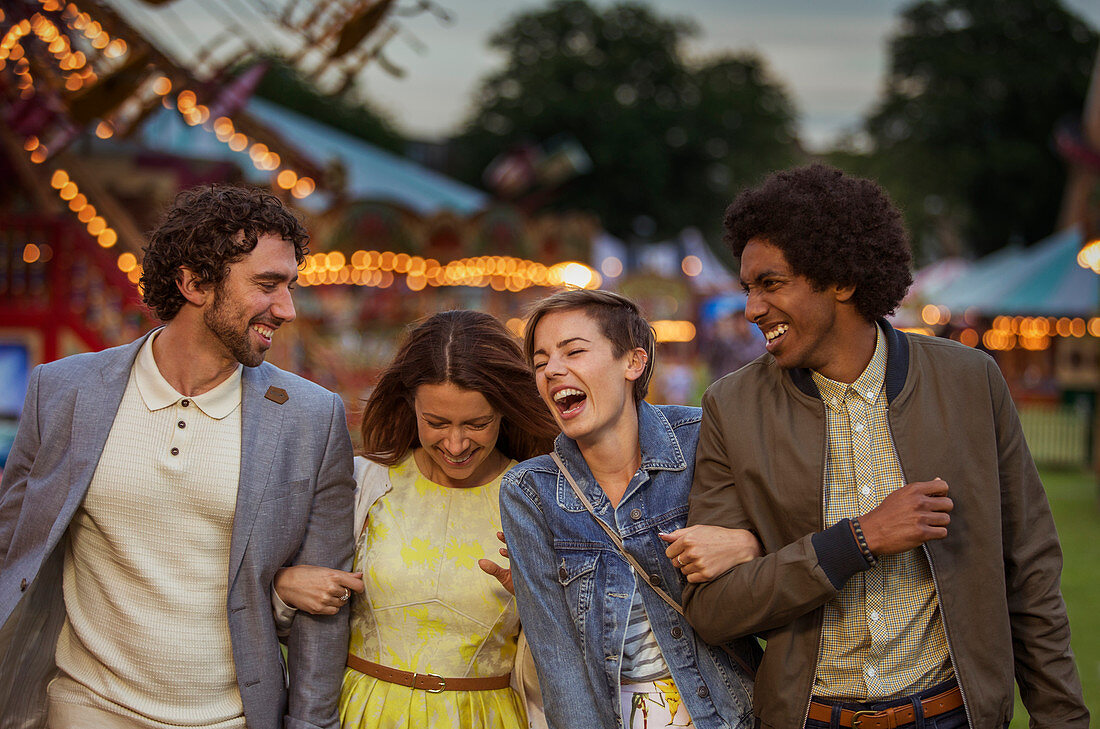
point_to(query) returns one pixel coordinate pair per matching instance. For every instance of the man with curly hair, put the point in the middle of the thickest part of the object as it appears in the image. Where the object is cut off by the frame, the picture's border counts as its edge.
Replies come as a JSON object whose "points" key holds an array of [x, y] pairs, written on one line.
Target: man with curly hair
{"points": [[911, 566], [154, 489]]}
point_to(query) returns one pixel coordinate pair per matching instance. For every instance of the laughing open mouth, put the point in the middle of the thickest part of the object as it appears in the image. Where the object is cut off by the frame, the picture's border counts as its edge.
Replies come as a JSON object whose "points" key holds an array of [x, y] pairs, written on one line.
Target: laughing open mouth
{"points": [[775, 332], [569, 400], [452, 461], [265, 332]]}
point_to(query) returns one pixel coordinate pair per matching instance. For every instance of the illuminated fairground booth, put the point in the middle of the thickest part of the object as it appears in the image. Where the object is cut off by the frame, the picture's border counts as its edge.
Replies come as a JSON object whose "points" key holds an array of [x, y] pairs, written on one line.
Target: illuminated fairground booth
{"points": [[1034, 309], [101, 130]]}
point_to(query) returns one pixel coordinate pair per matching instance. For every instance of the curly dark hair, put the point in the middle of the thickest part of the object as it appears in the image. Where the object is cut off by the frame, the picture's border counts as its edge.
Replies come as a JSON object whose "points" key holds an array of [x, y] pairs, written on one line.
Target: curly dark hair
{"points": [[832, 229], [474, 351], [203, 232]]}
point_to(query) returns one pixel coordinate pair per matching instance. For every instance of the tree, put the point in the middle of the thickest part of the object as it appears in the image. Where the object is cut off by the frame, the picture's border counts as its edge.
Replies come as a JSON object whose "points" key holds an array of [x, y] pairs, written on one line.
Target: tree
{"points": [[962, 134], [671, 142]]}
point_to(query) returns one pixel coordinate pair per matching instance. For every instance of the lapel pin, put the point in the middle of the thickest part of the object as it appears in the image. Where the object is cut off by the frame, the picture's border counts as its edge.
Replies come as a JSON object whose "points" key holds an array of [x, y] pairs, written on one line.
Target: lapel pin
{"points": [[276, 395]]}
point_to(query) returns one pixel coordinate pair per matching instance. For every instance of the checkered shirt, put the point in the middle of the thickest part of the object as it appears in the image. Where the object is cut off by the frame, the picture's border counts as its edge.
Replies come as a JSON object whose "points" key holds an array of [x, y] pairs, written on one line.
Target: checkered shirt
{"points": [[883, 635]]}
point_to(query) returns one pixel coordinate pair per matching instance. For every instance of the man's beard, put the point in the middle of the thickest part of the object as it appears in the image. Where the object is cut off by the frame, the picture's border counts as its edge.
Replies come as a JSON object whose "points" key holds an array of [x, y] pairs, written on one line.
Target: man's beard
{"points": [[224, 323]]}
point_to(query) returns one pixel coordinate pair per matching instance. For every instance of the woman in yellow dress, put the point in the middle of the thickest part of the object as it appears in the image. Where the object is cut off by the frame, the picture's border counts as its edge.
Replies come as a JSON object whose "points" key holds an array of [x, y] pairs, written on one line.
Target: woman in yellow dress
{"points": [[433, 637]]}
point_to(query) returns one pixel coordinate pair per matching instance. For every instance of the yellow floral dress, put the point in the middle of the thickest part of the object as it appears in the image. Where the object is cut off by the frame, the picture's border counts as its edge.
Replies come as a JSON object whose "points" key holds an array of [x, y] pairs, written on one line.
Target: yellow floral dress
{"points": [[428, 608]]}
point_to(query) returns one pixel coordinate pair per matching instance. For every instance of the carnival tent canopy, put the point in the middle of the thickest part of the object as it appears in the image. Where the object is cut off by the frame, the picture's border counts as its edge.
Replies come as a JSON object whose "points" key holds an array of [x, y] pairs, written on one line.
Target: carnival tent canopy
{"points": [[371, 173], [1042, 280]]}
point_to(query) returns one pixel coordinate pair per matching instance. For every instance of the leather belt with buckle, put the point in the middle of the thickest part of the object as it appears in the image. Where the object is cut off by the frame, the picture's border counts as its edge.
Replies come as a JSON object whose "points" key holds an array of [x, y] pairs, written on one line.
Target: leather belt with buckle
{"points": [[890, 718], [429, 682]]}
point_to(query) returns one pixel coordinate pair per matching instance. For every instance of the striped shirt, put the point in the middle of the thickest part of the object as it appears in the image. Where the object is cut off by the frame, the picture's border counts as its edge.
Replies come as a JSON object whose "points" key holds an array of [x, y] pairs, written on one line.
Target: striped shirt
{"points": [[642, 659], [883, 635]]}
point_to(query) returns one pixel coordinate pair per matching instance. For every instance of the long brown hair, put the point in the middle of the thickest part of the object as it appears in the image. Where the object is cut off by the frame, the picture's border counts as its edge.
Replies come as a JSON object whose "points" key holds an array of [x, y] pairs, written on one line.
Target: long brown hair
{"points": [[473, 351]]}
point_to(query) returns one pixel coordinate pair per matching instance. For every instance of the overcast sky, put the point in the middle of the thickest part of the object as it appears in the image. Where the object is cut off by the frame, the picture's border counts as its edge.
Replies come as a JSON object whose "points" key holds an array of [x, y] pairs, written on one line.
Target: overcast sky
{"points": [[830, 55]]}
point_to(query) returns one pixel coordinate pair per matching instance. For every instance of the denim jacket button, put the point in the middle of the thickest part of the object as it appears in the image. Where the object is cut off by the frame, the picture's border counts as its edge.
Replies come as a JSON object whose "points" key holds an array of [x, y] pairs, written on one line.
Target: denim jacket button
{"points": [[635, 514], [655, 579], [677, 631], [703, 692], [563, 573]]}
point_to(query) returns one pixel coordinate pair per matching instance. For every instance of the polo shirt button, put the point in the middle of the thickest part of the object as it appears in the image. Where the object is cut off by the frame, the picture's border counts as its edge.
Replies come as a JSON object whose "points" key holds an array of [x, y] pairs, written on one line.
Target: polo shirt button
{"points": [[23, 585], [563, 573], [655, 579], [185, 402], [677, 631], [175, 451], [635, 514], [702, 692]]}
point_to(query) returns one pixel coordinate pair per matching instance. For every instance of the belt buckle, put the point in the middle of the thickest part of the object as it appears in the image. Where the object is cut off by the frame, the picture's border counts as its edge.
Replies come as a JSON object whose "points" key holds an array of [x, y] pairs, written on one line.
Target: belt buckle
{"points": [[857, 718], [442, 682]]}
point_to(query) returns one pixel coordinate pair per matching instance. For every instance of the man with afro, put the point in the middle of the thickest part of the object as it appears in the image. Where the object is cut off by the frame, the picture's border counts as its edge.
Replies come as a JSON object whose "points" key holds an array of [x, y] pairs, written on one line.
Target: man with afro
{"points": [[911, 566]]}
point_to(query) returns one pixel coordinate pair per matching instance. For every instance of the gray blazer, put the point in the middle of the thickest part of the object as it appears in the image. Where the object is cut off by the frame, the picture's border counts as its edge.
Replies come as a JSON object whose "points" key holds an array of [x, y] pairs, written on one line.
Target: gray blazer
{"points": [[294, 505]]}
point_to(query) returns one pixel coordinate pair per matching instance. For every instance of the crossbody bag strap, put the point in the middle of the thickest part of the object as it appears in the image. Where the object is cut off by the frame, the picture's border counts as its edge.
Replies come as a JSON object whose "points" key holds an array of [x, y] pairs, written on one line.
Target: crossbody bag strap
{"points": [[731, 652], [614, 535]]}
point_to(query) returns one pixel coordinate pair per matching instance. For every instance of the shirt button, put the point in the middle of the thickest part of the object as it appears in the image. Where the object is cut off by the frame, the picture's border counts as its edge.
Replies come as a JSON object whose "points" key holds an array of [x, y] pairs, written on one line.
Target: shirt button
{"points": [[182, 424], [563, 573], [866, 490], [874, 615], [858, 427], [175, 451], [635, 514], [702, 692], [835, 402], [23, 585], [870, 672], [185, 402], [677, 631], [655, 579]]}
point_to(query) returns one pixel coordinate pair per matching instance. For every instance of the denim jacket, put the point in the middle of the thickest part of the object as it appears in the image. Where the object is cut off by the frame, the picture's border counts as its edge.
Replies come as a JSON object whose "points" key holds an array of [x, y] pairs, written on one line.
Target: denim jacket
{"points": [[574, 588]]}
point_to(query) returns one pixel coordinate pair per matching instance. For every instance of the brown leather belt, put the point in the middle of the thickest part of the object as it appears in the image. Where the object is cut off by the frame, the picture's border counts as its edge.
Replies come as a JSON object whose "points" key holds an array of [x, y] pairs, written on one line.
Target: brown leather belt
{"points": [[429, 682], [888, 718]]}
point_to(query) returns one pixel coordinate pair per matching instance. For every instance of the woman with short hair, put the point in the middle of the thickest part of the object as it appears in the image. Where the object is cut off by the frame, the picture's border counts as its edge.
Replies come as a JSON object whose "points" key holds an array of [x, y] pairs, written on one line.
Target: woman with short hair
{"points": [[597, 539]]}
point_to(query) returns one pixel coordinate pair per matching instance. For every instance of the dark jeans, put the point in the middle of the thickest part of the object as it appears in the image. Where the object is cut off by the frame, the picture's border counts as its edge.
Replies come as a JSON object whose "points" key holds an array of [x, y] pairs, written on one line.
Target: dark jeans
{"points": [[954, 719]]}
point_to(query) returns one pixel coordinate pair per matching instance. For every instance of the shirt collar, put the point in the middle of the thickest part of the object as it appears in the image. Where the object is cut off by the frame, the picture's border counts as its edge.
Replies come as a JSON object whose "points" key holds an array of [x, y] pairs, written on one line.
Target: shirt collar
{"points": [[156, 393], [659, 445], [867, 386]]}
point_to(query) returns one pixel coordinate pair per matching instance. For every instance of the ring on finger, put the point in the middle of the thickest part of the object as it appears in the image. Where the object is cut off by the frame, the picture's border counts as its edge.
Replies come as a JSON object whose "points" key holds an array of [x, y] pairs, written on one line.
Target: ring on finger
{"points": [[346, 595], [680, 561]]}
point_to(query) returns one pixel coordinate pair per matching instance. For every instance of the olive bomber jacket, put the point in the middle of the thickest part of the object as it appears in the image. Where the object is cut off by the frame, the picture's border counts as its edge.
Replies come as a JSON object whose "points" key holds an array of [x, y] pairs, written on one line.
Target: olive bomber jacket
{"points": [[760, 466]]}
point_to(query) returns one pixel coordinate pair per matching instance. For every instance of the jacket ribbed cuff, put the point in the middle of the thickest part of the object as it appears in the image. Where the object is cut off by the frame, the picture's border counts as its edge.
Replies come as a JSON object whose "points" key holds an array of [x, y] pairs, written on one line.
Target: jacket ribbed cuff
{"points": [[838, 553]]}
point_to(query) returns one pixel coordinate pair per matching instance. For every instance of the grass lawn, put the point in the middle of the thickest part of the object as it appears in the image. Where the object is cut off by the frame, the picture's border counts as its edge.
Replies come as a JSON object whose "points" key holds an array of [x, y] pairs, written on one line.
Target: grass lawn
{"points": [[1073, 498]]}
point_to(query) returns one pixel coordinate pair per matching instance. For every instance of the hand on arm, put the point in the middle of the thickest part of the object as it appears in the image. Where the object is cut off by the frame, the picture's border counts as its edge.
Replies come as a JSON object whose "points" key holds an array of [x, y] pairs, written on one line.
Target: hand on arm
{"points": [[317, 590], [908, 517], [502, 573], [702, 551], [783, 585], [318, 644]]}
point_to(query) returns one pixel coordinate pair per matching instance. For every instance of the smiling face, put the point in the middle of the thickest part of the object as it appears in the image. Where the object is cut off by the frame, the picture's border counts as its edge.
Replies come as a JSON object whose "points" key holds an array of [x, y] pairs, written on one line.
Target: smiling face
{"points": [[588, 389], [458, 431], [253, 301], [804, 327]]}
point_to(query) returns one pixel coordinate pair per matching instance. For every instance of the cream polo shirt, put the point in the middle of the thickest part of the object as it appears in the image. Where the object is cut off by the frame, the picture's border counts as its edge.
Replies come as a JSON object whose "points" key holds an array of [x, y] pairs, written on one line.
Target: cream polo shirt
{"points": [[146, 641]]}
